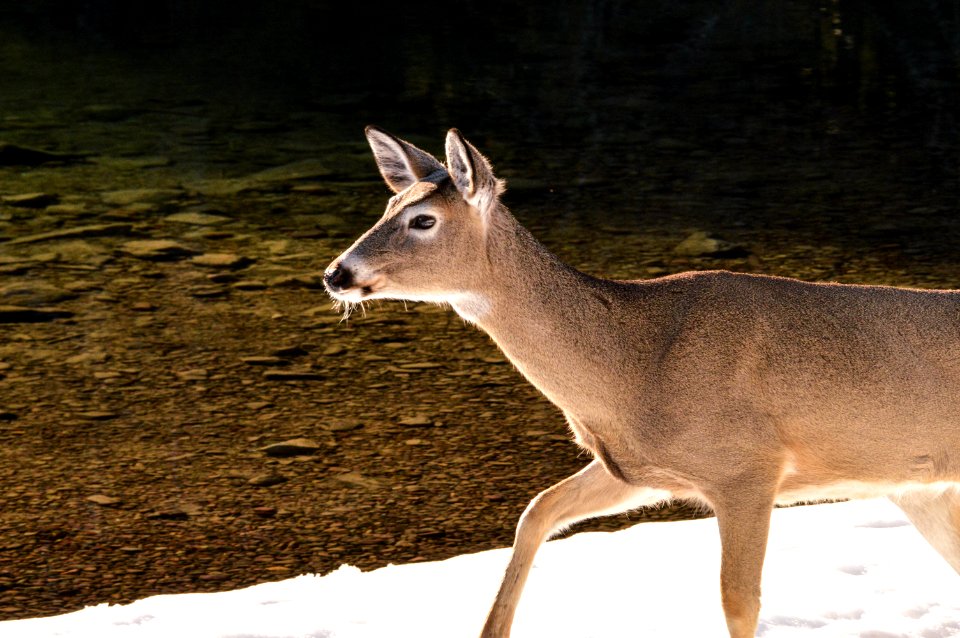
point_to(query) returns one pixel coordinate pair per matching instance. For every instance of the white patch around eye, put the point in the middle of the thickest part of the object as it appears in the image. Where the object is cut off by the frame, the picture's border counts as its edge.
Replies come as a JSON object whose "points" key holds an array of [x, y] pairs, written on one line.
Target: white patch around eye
{"points": [[412, 212]]}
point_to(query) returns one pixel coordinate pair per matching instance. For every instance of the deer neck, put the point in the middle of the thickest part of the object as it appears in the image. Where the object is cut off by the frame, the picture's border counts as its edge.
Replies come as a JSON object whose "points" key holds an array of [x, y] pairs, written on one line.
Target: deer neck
{"points": [[546, 316]]}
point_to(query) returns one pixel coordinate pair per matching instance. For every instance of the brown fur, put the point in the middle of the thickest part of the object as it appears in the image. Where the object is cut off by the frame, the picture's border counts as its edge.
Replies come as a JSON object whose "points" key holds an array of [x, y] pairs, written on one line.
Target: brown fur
{"points": [[737, 390]]}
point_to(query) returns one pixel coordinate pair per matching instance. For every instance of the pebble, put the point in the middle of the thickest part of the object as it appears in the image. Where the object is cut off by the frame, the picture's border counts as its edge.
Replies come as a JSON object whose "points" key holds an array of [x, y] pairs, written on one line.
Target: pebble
{"points": [[220, 260], [104, 500], [267, 480], [291, 447], [249, 285], [416, 421], [701, 244], [15, 155], [292, 375], [34, 293], [156, 249], [290, 352], [208, 292], [30, 200], [303, 169], [356, 478], [341, 425], [133, 163], [139, 195], [196, 374], [265, 361], [21, 314], [97, 415], [196, 218], [91, 356]]}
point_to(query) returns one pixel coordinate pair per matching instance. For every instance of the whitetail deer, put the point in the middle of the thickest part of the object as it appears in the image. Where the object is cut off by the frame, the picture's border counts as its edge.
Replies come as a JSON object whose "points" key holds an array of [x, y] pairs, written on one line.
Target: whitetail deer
{"points": [[739, 391]]}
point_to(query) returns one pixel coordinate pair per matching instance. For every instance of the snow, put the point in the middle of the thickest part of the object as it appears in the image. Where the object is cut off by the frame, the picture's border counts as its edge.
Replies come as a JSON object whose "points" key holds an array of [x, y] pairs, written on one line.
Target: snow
{"points": [[847, 569]]}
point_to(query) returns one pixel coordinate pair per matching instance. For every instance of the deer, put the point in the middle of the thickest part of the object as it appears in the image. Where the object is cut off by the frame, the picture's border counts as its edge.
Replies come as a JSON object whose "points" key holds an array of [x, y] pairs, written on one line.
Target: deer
{"points": [[737, 391]]}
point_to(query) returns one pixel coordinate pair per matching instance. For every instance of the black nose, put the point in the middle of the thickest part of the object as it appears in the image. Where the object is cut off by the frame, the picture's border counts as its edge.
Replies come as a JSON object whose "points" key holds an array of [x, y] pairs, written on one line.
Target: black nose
{"points": [[339, 278]]}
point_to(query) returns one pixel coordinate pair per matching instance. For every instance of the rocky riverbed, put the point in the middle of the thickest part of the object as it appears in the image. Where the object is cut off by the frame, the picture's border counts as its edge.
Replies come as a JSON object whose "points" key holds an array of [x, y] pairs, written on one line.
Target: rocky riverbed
{"points": [[181, 410]]}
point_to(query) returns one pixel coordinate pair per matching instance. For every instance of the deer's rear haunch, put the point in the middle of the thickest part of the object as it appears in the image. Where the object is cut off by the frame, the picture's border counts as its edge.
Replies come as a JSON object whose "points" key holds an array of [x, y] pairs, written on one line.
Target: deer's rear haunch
{"points": [[739, 391]]}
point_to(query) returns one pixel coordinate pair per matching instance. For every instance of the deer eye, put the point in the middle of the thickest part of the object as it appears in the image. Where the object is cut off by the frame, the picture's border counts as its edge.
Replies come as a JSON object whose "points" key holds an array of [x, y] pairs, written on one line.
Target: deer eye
{"points": [[423, 222]]}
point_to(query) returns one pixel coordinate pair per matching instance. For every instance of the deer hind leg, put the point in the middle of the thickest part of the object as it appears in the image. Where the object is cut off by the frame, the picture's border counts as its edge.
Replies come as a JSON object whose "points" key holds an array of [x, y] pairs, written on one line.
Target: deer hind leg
{"points": [[744, 521], [936, 514], [590, 492]]}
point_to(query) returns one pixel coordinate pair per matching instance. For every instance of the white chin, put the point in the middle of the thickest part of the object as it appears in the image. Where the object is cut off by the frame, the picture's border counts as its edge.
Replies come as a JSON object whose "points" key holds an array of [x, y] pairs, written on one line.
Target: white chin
{"points": [[354, 295]]}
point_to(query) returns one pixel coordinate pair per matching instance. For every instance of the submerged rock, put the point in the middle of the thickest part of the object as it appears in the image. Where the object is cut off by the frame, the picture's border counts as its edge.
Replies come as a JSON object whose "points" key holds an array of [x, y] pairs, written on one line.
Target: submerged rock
{"points": [[34, 293], [15, 155], [196, 218], [221, 260], [30, 200], [139, 195], [94, 230], [157, 250], [701, 244], [22, 314], [292, 447]]}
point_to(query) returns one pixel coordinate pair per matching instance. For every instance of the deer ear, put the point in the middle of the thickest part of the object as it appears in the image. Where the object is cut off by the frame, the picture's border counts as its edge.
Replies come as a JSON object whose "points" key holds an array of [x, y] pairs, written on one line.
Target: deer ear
{"points": [[402, 164], [471, 173]]}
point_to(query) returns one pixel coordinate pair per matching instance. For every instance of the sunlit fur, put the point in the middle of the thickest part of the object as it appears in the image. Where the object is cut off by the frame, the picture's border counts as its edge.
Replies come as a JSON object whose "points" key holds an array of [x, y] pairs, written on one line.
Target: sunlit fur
{"points": [[733, 390]]}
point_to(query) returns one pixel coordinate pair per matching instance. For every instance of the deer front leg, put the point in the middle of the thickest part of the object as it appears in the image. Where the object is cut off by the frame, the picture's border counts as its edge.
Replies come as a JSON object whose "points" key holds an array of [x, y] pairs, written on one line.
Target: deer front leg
{"points": [[590, 492], [744, 521]]}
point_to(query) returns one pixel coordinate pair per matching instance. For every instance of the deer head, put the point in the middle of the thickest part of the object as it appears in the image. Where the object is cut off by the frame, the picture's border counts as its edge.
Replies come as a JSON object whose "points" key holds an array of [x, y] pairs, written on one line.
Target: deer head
{"points": [[429, 245]]}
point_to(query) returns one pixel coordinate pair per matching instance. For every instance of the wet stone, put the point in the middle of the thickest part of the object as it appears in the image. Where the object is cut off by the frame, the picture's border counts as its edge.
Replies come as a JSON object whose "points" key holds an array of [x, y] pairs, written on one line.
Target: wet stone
{"points": [[157, 250], [133, 163], [358, 479], [221, 260], [416, 421], [21, 314], [15, 155], [265, 361], [139, 195], [341, 425], [292, 375], [104, 500], [197, 218], [290, 352], [91, 356], [304, 169], [34, 293], [701, 244], [142, 306], [196, 374], [267, 480], [97, 415], [208, 292], [171, 514], [249, 285], [291, 447], [30, 200]]}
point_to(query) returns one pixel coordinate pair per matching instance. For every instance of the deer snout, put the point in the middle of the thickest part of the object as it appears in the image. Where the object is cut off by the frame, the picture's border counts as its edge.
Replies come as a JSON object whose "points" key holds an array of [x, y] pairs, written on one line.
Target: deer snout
{"points": [[338, 278]]}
